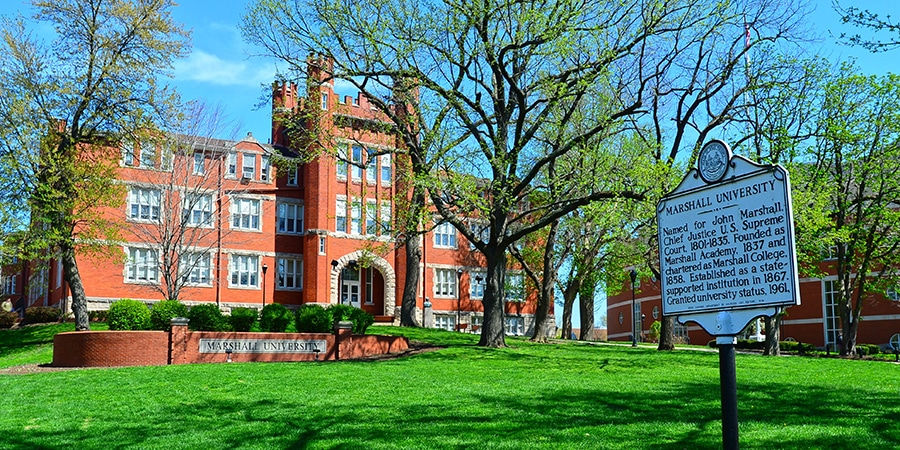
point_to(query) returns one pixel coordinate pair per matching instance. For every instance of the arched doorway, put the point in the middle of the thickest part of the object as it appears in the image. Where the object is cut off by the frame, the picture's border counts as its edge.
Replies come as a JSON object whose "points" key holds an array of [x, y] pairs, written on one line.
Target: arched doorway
{"points": [[371, 288]]}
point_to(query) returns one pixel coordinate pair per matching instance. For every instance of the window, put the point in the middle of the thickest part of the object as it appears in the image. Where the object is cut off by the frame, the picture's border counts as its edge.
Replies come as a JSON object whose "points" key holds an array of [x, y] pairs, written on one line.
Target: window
{"points": [[481, 230], [292, 175], [830, 253], [445, 322], [9, 284], [445, 235], [342, 162], [142, 265], [385, 170], [264, 168], [371, 212], [321, 245], [356, 216], [249, 167], [515, 287], [199, 164], [166, 158], [371, 167], [198, 210], [477, 282], [324, 101], [128, 153], [144, 204], [515, 325], [289, 274], [655, 312], [831, 314], [37, 284], [245, 214], [893, 294], [369, 297], [231, 161], [356, 162], [244, 270], [148, 154], [445, 283], [290, 218], [341, 215], [195, 268], [385, 217]]}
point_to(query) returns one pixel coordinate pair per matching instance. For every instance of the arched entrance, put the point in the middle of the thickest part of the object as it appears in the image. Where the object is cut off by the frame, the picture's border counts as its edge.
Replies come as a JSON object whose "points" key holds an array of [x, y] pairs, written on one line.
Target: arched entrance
{"points": [[370, 288]]}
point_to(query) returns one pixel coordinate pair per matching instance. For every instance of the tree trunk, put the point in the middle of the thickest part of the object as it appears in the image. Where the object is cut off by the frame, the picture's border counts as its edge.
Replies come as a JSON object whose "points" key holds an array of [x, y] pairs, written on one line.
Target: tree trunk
{"points": [[411, 283], [667, 334], [542, 318], [849, 327], [568, 304], [773, 335], [79, 298], [586, 304], [493, 333]]}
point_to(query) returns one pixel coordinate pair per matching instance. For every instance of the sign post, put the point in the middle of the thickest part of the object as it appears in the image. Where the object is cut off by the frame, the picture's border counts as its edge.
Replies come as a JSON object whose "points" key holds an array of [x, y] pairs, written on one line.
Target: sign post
{"points": [[726, 246]]}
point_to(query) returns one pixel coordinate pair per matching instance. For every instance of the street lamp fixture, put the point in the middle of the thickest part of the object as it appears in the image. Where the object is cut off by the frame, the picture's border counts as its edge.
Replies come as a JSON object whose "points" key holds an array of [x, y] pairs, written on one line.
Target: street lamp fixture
{"points": [[633, 275]]}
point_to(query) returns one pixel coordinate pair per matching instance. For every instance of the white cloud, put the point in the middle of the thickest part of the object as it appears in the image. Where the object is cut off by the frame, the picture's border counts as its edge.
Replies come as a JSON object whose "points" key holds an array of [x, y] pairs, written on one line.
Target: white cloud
{"points": [[208, 68]]}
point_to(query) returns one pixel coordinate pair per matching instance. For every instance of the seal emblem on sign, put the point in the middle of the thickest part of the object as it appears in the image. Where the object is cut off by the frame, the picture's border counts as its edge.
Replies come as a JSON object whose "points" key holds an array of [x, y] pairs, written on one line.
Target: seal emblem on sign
{"points": [[713, 161]]}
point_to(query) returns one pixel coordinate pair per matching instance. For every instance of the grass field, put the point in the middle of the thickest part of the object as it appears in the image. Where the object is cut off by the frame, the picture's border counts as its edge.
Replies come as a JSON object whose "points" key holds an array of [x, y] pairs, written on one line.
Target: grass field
{"points": [[558, 396]]}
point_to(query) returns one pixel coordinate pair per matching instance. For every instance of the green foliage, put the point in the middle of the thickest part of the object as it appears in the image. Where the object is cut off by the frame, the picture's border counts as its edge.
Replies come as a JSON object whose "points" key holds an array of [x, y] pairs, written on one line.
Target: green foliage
{"points": [[655, 329], [98, 315], [207, 317], [274, 318], [242, 319], [8, 319], [361, 319], [867, 349], [163, 312], [128, 314], [41, 314], [313, 318]]}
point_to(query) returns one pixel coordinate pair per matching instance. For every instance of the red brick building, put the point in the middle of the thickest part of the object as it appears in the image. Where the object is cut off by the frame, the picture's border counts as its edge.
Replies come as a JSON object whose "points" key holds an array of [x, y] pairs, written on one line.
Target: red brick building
{"points": [[815, 320], [252, 234]]}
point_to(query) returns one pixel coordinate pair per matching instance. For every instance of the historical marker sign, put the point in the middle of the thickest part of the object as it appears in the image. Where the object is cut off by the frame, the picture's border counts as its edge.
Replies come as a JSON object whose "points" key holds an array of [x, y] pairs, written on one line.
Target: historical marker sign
{"points": [[726, 237]]}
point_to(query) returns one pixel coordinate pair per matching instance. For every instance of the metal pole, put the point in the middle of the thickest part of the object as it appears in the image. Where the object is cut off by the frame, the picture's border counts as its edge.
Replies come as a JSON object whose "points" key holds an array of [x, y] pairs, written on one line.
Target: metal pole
{"points": [[728, 382]]}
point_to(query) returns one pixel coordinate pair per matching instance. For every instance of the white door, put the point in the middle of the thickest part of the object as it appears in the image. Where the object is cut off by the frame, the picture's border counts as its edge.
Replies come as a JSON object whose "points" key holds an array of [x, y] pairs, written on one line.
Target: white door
{"points": [[350, 288]]}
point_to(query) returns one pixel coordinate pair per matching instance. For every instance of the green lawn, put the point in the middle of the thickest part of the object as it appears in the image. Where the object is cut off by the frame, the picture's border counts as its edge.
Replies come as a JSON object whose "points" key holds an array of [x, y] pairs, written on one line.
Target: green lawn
{"points": [[557, 396]]}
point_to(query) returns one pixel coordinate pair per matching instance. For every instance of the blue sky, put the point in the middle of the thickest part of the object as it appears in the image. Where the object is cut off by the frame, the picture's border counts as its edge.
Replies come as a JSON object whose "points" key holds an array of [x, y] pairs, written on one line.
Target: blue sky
{"points": [[221, 70]]}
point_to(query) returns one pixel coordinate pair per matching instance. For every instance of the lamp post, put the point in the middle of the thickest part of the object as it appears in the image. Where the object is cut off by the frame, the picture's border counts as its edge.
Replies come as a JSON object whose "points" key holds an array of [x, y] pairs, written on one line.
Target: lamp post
{"points": [[459, 273], [265, 268], [633, 275], [642, 326], [334, 265]]}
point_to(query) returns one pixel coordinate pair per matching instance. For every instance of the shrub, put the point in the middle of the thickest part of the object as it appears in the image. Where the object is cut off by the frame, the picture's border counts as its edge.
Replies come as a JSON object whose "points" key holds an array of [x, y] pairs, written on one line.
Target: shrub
{"points": [[312, 318], [7, 319], [127, 314], [361, 319], [242, 319], [655, 329], [275, 318], [97, 316], [206, 317], [163, 312], [41, 314], [867, 349]]}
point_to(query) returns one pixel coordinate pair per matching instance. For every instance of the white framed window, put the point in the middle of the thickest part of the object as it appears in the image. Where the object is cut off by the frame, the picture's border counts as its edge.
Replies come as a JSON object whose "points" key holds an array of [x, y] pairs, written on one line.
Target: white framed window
{"points": [[148, 154], [165, 159], [371, 167], [385, 217], [289, 274], [196, 268], [340, 215], [231, 163], [248, 168], [356, 216], [199, 164], [244, 271], [245, 214], [198, 210], [128, 153], [264, 168], [385, 170], [477, 283], [321, 245], [445, 235], [37, 284], [480, 229], [143, 204], [324, 101], [370, 299], [371, 217], [342, 162], [830, 253], [356, 162], [515, 325], [290, 218], [141, 265], [893, 294], [445, 322], [9, 284], [445, 283], [515, 287], [292, 175]]}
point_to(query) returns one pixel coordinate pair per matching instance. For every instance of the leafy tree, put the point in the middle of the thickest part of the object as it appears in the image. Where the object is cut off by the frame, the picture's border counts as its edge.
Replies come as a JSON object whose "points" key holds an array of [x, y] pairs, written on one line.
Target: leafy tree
{"points": [[866, 19], [64, 106]]}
